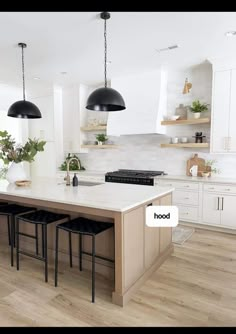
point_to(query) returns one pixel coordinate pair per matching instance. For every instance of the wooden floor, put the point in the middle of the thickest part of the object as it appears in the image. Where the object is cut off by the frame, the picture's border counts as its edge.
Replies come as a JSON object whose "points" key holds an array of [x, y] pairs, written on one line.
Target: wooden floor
{"points": [[196, 286]]}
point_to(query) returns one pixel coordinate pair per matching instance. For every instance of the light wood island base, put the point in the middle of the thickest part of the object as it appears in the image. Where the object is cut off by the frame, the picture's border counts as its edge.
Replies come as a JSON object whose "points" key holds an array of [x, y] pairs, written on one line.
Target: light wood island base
{"points": [[138, 250]]}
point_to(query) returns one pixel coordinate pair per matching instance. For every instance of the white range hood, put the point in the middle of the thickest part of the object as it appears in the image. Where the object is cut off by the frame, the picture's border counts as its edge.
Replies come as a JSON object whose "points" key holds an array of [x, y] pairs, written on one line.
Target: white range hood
{"points": [[145, 96]]}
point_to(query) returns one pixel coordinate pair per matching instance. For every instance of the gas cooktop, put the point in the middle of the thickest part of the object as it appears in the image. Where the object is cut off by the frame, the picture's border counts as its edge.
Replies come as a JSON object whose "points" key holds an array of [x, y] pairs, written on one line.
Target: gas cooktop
{"points": [[142, 177]]}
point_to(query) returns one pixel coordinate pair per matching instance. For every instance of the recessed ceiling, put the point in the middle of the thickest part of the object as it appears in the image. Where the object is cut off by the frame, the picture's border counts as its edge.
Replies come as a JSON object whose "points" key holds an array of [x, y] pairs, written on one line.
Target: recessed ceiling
{"points": [[73, 42]]}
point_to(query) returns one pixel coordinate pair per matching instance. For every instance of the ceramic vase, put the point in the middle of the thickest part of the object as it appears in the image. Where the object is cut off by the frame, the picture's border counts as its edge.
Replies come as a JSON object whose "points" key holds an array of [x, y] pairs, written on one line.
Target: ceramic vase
{"points": [[16, 172], [196, 115]]}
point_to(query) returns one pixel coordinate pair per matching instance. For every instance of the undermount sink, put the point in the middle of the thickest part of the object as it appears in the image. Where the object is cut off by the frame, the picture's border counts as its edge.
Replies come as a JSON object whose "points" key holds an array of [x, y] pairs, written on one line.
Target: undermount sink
{"points": [[89, 184], [84, 183]]}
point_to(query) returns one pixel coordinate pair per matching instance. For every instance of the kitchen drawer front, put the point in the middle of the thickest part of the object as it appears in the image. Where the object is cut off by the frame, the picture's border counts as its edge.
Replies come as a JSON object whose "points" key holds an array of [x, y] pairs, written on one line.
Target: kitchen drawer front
{"points": [[179, 184], [188, 213], [220, 188], [185, 197]]}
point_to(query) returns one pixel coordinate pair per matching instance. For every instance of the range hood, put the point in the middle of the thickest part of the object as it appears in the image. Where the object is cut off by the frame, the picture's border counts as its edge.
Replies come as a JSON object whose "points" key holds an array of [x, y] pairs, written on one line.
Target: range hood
{"points": [[145, 96]]}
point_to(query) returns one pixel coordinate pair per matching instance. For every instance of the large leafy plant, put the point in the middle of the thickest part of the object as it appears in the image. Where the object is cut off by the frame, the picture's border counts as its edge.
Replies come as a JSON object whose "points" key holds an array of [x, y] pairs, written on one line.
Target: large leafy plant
{"points": [[11, 151]]}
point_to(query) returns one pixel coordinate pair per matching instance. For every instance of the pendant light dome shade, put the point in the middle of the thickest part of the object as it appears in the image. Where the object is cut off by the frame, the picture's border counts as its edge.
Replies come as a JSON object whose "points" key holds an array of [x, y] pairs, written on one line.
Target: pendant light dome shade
{"points": [[23, 108], [105, 99]]}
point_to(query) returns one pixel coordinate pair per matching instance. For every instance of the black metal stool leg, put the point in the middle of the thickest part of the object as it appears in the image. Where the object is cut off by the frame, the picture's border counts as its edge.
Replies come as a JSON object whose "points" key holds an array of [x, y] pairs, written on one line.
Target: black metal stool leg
{"points": [[9, 230], [70, 249], [17, 243], [93, 269], [45, 252], [56, 256], [80, 252], [37, 239], [42, 240], [12, 239]]}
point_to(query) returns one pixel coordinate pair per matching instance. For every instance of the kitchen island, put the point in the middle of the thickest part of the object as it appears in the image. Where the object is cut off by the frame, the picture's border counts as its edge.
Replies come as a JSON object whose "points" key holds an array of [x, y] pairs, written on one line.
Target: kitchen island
{"points": [[138, 250]]}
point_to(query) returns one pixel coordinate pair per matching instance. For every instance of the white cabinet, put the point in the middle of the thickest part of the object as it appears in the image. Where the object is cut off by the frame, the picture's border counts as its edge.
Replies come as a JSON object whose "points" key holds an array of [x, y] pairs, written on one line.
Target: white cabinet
{"points": [[223, 134], [204, 203], [228, 211], [219, 208], [145, 96], [185, 197], [211, 208]]}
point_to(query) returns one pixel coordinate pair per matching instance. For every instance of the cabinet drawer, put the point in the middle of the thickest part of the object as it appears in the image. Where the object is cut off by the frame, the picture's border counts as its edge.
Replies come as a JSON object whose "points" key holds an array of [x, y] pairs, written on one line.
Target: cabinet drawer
{"points": [[179, 184], [185, 197], [222, 188], [187, 213]]}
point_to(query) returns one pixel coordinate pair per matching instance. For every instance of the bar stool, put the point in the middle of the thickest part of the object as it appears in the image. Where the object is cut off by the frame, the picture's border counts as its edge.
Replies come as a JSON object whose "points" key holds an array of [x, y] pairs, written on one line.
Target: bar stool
{"points": [[43, 218], [11, 211], [8, 224], [82, 226]]}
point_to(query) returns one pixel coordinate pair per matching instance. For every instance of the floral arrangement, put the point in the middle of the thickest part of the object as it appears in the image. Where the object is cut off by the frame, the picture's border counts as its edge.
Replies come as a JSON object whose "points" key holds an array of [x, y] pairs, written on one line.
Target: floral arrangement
{"points": [[11, 151]]}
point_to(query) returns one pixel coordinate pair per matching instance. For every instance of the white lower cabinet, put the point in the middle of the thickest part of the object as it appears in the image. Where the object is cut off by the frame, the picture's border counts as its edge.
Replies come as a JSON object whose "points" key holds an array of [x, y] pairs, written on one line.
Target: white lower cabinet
{"points": [[219, 209], [228, 211], [204, 203], [211, 208]]}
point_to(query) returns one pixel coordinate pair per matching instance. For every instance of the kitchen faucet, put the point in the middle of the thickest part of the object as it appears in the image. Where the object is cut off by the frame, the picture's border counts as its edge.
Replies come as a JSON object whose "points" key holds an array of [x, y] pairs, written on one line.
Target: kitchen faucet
{"points": [[68, 167]]}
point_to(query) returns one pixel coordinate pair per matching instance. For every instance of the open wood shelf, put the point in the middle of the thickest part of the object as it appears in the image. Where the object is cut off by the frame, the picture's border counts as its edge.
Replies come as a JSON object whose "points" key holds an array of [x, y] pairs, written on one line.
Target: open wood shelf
{"points": [[99, 146], [187, 145], [94, 128], [187, 121]]}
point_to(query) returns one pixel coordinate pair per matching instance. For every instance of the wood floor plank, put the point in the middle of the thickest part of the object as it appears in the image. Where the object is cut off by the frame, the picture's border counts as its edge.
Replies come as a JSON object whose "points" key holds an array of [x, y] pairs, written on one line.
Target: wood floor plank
{"points": [[196, 286]]}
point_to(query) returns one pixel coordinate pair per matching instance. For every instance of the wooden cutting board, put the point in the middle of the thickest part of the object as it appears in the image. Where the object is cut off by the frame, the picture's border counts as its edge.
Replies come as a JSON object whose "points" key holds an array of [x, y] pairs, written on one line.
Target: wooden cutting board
{"points": [[195, 160]]}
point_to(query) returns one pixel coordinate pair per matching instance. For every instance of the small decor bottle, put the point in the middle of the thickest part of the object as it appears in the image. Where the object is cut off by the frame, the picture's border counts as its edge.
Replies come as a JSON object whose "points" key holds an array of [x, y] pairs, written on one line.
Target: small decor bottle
{"points": [[75, 181]]}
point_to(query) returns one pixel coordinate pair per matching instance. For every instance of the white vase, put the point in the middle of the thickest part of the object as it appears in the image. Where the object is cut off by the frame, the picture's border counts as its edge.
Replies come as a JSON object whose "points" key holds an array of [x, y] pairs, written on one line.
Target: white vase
{"points": [[16, 172], [196, 114]]}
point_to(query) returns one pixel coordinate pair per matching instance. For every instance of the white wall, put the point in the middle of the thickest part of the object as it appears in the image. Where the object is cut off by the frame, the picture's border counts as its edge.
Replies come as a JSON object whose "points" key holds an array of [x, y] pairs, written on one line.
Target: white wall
{"points": [[144, 152], [43, 128]]}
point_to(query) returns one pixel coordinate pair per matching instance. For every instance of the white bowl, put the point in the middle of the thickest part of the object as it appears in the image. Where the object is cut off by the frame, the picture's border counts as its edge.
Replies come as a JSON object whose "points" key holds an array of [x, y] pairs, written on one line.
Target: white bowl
{"points": [[174, 117]]}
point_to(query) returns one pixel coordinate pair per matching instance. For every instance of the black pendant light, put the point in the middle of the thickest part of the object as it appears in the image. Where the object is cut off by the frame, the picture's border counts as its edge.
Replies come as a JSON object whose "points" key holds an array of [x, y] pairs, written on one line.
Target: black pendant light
{"points": [[22, 108], [105, 99]]}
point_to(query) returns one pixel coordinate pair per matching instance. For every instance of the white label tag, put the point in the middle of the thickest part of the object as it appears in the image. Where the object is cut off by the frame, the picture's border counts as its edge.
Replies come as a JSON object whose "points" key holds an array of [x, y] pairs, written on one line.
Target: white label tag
{"points": [[162, 216]]}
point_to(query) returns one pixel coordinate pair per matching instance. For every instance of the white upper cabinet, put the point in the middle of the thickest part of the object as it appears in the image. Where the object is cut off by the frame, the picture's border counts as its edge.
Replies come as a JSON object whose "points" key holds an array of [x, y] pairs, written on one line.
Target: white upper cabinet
{"points": [[145, 96], [223, 134]]}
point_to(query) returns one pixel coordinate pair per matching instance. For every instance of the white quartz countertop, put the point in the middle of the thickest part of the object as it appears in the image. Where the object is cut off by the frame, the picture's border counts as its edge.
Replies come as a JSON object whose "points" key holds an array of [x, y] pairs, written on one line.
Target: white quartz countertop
{"points": [[107, 196], [211, 179]]}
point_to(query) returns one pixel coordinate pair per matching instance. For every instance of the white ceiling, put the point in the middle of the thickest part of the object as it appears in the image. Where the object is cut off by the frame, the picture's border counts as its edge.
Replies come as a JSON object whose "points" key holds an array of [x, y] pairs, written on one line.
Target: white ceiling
{"points": [[73, 42]]}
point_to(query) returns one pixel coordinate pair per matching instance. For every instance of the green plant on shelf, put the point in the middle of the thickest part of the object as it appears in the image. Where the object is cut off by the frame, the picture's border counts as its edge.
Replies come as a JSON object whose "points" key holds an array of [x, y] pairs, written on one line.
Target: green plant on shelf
{"points": [[198, 107], [74, 166], [101, 137]]}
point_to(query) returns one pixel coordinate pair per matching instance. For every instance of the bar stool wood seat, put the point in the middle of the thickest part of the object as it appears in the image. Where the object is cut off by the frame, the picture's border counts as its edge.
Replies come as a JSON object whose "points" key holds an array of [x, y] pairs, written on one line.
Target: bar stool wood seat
{"points": [[43, 218], [82, 226]]}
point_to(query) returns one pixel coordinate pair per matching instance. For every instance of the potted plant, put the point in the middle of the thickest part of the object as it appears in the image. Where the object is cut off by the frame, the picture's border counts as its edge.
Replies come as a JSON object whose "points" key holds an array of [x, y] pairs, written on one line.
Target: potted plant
{"points": [[101, 138], [209, 168], [11, 152], [198, 107]]}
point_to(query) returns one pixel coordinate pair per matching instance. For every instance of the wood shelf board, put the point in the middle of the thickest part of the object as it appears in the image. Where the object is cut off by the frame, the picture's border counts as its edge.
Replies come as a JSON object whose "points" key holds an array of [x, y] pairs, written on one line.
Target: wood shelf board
{"points": [[99, 146], [187, 145], [187, 121], [94, 128]]}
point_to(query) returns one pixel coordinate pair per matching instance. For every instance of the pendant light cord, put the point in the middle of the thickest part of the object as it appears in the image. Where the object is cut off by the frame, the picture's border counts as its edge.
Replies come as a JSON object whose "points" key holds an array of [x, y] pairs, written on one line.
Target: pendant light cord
{"points": [[23, 72], [105, 51]]}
